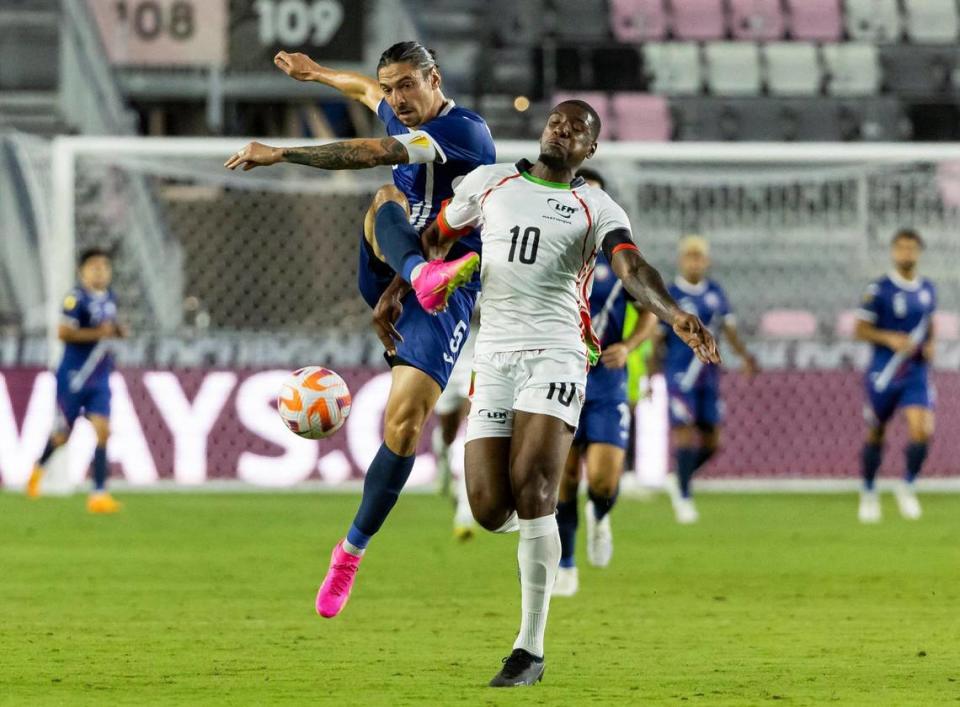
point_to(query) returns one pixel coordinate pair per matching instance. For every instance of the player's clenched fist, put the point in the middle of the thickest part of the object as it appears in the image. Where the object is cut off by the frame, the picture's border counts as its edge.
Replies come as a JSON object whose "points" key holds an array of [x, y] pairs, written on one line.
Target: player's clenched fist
{"points": [[254, 155], [691, 330], [297, 66]]}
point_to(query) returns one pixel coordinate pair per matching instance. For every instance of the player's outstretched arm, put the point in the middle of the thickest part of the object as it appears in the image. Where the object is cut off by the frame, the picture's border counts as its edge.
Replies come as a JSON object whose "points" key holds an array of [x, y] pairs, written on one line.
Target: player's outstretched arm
{"points": [[351, 84], [615, 355], [646, 285], [361, 153], [750, 365]]}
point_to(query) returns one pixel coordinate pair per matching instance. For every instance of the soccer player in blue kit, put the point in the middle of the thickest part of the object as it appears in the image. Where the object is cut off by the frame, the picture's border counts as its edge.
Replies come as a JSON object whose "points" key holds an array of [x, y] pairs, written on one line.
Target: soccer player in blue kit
{"points": [[83, 378], [693, 387], [602, 433], [896, 317], [431, 143]]}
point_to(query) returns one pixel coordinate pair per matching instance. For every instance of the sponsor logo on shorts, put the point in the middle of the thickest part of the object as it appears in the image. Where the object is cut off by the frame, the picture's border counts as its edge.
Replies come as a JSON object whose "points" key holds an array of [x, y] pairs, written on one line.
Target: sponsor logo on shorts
{"points": [[498, 415]]}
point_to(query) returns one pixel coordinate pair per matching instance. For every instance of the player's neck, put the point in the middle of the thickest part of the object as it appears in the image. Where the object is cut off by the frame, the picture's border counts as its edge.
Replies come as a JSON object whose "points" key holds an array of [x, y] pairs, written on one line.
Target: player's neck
{"points": [[437, 108], [560, 175], [907, 274]]}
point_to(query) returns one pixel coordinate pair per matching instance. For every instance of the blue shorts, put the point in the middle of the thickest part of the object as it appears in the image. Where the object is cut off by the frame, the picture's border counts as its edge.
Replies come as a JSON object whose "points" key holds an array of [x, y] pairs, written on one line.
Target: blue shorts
{"points": [[431, 343], [89, 400], [603, 422], [912, 389], [700, 406]]}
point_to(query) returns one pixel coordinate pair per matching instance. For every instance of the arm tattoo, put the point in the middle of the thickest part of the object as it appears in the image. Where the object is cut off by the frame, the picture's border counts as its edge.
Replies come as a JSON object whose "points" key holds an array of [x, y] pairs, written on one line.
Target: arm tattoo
{"points": [[644, 282], [349, 154]]}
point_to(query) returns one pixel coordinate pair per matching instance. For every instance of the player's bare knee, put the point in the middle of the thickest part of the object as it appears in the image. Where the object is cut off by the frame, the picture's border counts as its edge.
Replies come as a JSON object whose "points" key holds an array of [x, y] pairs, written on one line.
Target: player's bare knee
{"points": [[388, 193], [533, 493], [604, 485]]}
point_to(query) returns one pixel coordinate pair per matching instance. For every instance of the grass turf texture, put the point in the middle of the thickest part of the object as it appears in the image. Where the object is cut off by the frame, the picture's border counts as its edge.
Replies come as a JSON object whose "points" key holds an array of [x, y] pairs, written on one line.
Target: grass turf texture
{"points": [[208, 599]]}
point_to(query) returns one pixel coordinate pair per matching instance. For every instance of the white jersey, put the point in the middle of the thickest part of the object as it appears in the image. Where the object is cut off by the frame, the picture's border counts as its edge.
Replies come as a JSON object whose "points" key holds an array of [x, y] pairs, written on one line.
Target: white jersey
{"points": [[540, 240]]}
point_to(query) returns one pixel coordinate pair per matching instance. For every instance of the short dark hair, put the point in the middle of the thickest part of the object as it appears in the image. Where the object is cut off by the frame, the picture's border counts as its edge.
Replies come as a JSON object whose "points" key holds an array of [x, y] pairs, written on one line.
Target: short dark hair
{"points": [[94, 252], [908, 234], [584, 106], [592, 175], [412, 53]]}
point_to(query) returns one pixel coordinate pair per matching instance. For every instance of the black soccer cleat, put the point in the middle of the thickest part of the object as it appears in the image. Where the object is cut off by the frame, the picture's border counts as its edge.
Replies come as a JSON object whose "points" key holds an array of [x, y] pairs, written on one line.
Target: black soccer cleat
{"points": [[521, 668]]}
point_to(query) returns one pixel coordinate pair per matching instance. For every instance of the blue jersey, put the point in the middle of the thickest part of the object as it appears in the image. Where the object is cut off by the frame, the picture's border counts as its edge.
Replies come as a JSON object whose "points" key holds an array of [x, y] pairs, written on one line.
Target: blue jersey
{"points": [[608, 309], [463, 143], [708, 301], [895, 304], [87, 365]]}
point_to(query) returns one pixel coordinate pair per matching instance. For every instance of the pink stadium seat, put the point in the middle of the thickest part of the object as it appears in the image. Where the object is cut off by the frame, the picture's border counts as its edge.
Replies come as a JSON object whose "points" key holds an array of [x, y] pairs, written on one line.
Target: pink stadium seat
{"points": [[600, 103], [946, 325], [638, 20], [698, 19], [788, 324], [846, 324], [641, 116], [815, 19], [756, 19]]}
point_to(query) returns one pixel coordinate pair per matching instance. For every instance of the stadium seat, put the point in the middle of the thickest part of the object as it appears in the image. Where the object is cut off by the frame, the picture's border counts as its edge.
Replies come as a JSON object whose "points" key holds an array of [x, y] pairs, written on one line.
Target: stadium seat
{"points": [[733, 68], [946, 325], [617, 68], [641, 116], [698, 19], [931, 21], [674, 67], [852, 69], [638, 20], [581, 20], [846, 324], [600, 103], [921, 72], [793, 68], [815, 20], [872, 20], [756, 19], [788, 324]]}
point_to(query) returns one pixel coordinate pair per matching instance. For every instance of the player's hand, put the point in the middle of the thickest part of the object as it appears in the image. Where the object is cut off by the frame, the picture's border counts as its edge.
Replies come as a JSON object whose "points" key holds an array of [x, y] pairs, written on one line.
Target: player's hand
{"points": [[121, 331], [692, 332], [928, 352], [107, 330], [254, 155], [614, 356], [297, 66], [385, 316], [750, 366], [899, 342]]}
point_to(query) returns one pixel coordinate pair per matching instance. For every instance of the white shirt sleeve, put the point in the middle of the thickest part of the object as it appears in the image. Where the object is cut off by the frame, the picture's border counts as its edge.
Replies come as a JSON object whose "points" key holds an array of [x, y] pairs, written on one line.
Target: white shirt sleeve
{"points": [[464, 210], [609, 217]]}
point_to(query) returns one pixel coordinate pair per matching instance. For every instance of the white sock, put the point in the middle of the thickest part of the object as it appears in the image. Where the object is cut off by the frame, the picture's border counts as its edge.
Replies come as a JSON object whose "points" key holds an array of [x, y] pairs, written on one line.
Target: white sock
{"points": [[463, 518], [539, 557], [353, 549], [510, 525]]}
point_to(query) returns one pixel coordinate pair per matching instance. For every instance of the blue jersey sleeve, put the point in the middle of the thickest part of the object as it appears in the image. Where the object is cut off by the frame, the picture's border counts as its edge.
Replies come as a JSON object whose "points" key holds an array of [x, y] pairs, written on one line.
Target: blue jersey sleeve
{"points": [[461, 139], [73, 309], [870, 304]]}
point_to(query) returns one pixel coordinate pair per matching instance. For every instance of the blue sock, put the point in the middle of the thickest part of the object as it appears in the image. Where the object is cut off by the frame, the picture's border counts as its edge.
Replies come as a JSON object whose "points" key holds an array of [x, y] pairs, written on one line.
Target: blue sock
{"points": [[703, 456], [916, 454], [602, 504], [47, 452], [386, 476], [686, 465], [398, 240], [100, 469], [870, 459], [567, 520]]}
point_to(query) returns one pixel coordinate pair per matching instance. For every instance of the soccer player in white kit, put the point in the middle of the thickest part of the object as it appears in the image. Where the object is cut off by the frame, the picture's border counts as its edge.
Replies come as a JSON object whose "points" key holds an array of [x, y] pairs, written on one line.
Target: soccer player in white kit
{"points": [[541, 230]]}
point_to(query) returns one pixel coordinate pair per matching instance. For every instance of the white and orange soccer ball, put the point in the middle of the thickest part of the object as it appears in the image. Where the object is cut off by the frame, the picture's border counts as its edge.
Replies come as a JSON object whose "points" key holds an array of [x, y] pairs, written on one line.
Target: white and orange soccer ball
{"points": [[314, 402]]}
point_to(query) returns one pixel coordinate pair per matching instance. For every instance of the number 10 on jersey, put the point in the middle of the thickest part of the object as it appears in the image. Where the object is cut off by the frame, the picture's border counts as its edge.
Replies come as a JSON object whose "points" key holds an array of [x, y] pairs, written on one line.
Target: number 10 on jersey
{"points": [[528, 244]]}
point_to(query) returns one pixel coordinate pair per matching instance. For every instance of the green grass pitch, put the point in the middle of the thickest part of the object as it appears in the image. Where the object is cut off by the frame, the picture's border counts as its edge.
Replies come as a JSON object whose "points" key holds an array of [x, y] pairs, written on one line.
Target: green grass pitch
{"points": [[207, 599]]}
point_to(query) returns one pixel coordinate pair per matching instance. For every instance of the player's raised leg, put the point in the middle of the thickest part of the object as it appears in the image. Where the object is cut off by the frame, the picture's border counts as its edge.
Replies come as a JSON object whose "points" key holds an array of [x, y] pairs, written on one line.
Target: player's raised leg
{"points": [[412, 396], [568, 518], [920, 428]]}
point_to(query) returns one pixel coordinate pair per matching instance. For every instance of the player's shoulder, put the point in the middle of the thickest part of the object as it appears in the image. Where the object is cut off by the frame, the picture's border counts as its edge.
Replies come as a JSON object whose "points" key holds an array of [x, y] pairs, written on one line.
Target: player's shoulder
{"points": [[490, 174], [461, 121], [74, 296], [714, 286], [604, 206]]}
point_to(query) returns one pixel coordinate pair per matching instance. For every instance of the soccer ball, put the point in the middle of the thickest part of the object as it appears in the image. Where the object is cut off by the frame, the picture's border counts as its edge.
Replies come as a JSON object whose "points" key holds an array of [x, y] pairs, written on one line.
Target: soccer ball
{"points": [[314, 402]]}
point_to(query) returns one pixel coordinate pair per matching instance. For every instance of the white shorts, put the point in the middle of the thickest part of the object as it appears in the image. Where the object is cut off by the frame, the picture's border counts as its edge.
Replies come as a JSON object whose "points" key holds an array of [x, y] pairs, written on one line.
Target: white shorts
{"points": [[547, 382], [457, 391]]}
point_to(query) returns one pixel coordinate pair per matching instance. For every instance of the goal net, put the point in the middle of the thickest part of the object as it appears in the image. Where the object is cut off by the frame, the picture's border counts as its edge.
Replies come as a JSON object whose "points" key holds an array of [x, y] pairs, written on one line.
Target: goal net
{"points": [[228, 280]]}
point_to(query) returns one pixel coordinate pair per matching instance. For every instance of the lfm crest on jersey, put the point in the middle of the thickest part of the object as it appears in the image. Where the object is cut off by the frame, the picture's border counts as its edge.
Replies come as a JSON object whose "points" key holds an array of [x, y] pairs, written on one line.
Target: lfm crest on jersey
{"points": [[314, 402]]}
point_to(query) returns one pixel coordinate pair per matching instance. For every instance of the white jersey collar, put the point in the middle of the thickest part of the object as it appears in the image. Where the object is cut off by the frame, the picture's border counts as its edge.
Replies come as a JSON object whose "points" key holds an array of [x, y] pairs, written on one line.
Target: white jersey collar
{"points": [[689, 288], [903, 283]]}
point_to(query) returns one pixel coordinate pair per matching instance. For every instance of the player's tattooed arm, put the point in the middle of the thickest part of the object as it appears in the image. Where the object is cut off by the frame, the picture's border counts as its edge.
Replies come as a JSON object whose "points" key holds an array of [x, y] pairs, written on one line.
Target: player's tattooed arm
{"points": [[646, 285], [361, 153]]}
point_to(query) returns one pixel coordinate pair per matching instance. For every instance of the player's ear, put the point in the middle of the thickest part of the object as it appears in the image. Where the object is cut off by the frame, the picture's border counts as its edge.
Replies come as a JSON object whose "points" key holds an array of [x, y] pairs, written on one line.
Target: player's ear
{"points": [[435, 79], [593, 150]]}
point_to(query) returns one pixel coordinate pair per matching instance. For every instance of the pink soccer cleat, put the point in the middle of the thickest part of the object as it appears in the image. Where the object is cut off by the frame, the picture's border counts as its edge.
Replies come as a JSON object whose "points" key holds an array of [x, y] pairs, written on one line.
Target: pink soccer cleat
{"points": [[438, 279], [336, 586]]}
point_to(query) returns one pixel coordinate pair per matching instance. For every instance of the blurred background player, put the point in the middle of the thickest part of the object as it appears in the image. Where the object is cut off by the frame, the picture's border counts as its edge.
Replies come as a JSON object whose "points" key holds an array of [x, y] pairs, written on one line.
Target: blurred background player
{"points": [[83, 377], [692, 386], [452, 408], [604, 427], [896, 317], [430, 143]]}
